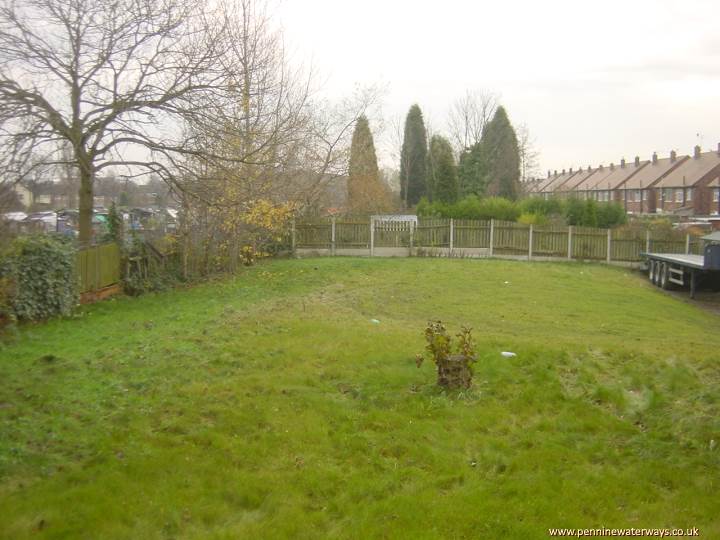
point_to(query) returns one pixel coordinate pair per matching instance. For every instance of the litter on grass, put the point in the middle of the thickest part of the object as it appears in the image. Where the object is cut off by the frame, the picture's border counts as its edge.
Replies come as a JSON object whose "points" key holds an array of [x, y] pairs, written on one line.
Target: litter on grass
{"points": [[508, 354]]}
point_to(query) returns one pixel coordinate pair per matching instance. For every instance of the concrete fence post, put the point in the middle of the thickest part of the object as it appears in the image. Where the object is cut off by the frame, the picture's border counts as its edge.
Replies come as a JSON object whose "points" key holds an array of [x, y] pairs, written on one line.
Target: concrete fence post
{"points": [[292, 237], [332, 236], [687, 244], [609, 244], [492, 235], [570, 241], [647, 241], [372, 236], [452, 234], [530, 243], [412, 238]]}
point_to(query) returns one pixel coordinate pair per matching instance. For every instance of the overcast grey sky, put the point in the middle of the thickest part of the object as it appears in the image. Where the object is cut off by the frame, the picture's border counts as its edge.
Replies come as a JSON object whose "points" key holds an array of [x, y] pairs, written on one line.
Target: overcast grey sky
{"points": [[594, 81]]}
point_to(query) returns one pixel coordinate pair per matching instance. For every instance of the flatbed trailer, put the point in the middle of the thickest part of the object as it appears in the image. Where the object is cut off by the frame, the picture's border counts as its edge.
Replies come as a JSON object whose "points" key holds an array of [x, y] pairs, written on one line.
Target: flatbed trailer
{"points": [[668, 269]]}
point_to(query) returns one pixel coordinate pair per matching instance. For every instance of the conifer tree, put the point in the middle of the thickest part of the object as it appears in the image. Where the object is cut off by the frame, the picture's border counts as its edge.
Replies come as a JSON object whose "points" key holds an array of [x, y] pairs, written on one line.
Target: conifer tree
{"points": [[472, 171], [366, 191], [413, 181], [441, 171], [501, 157]]}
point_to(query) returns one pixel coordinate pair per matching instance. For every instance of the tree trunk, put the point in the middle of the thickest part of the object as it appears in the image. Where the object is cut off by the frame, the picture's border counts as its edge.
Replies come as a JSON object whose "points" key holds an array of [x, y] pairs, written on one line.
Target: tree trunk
{"points": [[86, 206]]}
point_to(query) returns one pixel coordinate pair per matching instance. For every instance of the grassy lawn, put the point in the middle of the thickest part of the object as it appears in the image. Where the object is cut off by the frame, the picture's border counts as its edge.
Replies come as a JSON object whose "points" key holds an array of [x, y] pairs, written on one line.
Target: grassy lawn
{"points": [[268, 405]]}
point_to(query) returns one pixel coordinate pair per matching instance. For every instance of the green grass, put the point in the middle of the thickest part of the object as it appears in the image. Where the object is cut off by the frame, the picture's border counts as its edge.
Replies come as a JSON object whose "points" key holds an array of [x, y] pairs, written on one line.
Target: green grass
{"points": [[268, 405]]}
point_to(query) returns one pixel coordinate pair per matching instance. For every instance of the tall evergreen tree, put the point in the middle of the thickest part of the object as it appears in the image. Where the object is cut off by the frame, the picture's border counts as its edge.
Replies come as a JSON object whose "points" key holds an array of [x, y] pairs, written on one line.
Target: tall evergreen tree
{"points": [[472, 171], [441, 171], [501, 156], [413, 181], [366, 191]]}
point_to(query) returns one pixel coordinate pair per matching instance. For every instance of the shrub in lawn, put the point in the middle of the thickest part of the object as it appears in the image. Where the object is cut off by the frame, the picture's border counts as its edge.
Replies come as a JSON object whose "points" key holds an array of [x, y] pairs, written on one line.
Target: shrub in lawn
{"points": [[454, 371], [39, 278]]}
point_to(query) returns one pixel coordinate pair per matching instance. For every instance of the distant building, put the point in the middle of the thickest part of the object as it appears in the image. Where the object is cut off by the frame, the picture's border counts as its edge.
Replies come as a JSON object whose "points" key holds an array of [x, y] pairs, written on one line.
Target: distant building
{"points": [[688, 185]]}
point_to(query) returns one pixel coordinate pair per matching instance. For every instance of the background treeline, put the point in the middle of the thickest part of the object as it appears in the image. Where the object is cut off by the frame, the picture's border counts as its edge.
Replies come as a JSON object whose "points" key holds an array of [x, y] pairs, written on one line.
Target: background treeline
{"points": [[484, 157], [537, 211]]}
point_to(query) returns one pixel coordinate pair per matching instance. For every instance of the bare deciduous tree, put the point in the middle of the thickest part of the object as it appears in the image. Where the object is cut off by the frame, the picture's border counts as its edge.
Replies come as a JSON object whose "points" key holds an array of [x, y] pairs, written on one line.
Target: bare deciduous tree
{"points": [[468, 116], [116, 82], [529, 165]]}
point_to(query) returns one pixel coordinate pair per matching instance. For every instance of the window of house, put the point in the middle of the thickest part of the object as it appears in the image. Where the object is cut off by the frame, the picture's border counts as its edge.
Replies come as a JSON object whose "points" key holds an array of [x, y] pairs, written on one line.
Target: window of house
{"points": [[689, 194], [644, 194], [667, 194], [679, 195], [638, 195], [716, 194]]}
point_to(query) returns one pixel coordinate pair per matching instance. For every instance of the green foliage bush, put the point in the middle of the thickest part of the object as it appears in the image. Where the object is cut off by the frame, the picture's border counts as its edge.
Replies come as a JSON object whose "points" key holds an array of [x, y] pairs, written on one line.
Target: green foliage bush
{"points": [[611, 215], [471, 207], [541, 207], [38, 277], [533, 219], [532, 211]]}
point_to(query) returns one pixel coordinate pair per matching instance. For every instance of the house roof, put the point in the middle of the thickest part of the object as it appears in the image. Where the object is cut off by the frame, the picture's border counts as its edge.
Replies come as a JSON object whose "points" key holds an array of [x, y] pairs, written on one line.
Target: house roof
{"points": [[650, 175], [617, 176], [692, 170], [558, 181], [544, 182], [577, 179], [600, 174]]}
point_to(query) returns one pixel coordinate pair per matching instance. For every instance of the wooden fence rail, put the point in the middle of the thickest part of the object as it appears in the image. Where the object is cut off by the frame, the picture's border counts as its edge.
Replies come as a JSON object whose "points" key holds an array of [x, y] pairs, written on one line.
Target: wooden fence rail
{"points": [[464, 237]]}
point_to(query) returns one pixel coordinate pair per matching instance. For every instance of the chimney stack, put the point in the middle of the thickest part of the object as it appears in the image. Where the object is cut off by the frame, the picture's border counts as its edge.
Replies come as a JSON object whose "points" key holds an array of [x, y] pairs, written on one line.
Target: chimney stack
{"points": [[549, 172], [697, 151], [556, 173], [622, 163], [570, 170], [718, 149], [673, 156], [637, 161], [654, 158], [602, 167], [563, 171], [612, 166]]}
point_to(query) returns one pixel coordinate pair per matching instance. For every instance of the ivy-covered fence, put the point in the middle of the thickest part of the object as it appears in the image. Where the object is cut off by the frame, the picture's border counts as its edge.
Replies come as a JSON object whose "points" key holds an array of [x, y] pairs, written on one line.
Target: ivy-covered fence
{"points": [[42, 276], [38, 278]]}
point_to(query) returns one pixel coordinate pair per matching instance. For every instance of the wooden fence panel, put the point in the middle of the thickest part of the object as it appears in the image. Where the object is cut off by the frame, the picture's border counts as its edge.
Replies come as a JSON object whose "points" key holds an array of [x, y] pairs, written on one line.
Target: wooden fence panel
{"points": [[550, 241], [508, 238], [666, 245], [313, 234], [98, 267], [589, 243], [432, 232], [352, 234], [697, 245], [511, 238], [470, 233], [627, 245]]}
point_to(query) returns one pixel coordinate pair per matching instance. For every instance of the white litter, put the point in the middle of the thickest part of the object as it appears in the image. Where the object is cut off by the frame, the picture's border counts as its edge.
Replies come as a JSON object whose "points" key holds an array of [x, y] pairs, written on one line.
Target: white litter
{"points": [[374, 321], [507, 283], [507, 354]]}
